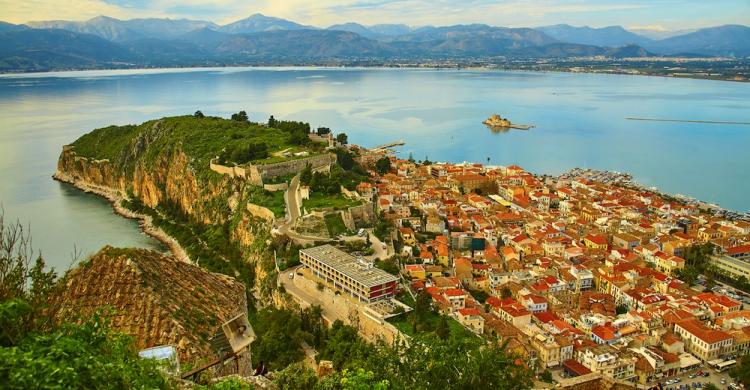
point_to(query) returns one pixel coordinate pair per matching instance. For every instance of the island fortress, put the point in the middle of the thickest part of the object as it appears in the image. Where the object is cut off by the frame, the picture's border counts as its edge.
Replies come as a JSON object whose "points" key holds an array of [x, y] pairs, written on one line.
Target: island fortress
{"points": [[497, 121]]}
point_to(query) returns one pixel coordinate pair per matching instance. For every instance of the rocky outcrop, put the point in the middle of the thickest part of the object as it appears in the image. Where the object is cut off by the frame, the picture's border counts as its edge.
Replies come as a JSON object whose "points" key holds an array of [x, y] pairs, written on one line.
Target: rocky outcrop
{"points": [[156, 298]]}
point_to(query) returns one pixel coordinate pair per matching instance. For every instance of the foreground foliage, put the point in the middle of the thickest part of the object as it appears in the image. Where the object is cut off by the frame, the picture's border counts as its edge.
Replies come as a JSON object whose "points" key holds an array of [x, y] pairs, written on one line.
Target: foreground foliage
{"points": [[37, 352]]}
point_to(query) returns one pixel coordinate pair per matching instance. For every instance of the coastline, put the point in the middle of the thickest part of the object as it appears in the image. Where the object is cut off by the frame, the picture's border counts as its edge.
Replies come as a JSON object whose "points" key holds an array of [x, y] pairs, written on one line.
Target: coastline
{"points": [[431, 67], [145, 221]]}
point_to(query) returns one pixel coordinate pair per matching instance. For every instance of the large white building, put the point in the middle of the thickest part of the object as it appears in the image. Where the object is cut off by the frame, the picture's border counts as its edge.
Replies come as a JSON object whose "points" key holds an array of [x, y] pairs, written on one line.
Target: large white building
{"points": [[356, 277]]}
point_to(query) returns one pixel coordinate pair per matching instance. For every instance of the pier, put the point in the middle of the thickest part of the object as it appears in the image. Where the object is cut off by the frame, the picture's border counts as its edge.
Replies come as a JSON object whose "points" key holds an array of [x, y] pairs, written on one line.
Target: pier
{"points": [[389, 145], [687, 121]]}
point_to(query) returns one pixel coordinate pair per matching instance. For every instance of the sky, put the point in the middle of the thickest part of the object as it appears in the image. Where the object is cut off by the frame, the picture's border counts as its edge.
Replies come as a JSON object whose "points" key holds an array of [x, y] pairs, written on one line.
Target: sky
{"points": [[656, 15]]}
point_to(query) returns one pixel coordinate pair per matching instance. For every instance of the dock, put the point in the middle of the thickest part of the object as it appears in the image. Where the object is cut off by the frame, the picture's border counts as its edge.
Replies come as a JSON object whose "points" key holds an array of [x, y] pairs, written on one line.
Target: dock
{"points": [[390, 145]]}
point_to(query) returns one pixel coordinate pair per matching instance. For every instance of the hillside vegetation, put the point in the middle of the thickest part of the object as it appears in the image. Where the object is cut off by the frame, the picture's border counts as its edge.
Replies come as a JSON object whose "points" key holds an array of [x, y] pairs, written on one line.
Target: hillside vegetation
{"points": [[200, 138]]}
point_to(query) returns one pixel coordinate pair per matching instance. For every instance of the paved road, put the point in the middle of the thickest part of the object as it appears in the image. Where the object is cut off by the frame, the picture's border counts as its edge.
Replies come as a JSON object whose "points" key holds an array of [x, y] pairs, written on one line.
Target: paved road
{"points": [[292, 208], [292, 213], [377, 245]]}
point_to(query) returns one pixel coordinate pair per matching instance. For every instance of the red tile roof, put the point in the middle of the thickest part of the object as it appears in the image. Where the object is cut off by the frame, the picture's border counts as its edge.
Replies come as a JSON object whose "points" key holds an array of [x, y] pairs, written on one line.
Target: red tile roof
{"points": [[738, 250], [469, 312], [708, 335]]}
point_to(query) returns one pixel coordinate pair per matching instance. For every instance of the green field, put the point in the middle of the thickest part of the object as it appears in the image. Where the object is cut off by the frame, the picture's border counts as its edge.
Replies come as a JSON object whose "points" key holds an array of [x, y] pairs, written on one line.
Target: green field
{"points": [[320, 200], [335, 224], [273, 201]]}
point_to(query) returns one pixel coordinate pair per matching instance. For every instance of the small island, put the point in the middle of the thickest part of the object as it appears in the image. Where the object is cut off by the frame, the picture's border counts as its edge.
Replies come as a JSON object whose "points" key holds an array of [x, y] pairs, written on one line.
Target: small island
{"points": [[496, 121]]}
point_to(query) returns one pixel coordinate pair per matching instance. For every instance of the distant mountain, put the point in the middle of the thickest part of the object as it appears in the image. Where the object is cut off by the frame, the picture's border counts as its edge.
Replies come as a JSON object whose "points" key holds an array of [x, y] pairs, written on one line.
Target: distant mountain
{"points": [[108, 42], [48, 49], [102, 26], [471, 40], [518, 36], [729, 40], [127, 30], [11, 27], [355, 28], [167, 28], [390, 29], [613, 36], [301, 44], [260, 23], [656, 35], [373, 32]]}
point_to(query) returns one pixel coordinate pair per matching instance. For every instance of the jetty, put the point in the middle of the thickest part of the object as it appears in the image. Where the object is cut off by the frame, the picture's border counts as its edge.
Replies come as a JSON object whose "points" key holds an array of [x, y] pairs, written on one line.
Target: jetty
{"points": [[389, 145], [496, 121]]}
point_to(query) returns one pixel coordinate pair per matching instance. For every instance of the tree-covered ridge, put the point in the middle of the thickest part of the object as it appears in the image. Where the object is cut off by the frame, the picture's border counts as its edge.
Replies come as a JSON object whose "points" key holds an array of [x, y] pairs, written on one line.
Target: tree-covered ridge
{"points": [[200, 137]]}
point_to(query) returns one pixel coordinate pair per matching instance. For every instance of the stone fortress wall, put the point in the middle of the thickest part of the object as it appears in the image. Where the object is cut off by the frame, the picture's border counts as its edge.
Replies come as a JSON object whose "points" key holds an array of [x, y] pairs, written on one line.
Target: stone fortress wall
{"points": [[257, 173]]}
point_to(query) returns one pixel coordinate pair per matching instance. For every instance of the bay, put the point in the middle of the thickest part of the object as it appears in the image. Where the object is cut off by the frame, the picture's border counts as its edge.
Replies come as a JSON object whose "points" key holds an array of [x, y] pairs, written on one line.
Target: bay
{"points": [[580, 121]]}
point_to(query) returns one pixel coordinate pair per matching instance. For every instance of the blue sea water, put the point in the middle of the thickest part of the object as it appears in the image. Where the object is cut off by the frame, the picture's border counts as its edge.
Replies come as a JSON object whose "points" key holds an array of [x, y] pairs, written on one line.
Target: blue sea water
{"points": [[580, 121]]}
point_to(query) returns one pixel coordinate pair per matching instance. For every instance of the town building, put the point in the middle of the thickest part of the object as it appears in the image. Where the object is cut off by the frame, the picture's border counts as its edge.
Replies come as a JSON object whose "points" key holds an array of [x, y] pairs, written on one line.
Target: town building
{"points": [[356, 277]]}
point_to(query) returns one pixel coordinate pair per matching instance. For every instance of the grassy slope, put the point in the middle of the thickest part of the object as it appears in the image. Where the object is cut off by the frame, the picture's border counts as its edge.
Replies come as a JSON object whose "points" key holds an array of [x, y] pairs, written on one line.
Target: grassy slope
{"points": [[201, 139]]}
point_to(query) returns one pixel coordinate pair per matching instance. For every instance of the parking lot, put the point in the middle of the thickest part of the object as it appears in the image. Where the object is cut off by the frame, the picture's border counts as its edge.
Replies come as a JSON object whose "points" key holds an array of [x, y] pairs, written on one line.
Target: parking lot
{"points": [[693, 381]]}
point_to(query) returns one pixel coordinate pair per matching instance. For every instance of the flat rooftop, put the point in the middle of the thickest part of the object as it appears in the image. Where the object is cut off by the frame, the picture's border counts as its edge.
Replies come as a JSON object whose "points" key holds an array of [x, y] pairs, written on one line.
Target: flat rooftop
{"points": [[348, 265]]}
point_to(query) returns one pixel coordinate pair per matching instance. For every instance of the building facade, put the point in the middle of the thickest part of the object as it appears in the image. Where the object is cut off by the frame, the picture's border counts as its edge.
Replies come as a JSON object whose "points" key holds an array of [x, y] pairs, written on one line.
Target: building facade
{"points": [[356, 277]]}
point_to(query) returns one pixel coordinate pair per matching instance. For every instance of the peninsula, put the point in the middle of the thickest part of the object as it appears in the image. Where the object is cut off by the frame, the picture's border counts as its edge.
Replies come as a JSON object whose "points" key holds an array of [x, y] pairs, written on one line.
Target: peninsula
{"points": [[347, 252]]}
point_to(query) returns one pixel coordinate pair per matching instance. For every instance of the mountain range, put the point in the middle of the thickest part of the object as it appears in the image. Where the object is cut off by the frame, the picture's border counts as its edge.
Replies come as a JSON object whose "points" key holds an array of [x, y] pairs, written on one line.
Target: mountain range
{"points": [[104, 42]]}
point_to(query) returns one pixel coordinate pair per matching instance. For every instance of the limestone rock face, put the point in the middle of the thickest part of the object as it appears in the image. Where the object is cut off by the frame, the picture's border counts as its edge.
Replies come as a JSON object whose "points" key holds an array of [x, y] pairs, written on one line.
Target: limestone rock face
{"points": [[156, 298]]}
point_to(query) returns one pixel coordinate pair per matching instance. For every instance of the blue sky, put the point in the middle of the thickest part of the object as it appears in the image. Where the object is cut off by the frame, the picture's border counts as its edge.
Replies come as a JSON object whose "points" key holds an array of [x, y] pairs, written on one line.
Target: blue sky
{"points": [[650, 14]]}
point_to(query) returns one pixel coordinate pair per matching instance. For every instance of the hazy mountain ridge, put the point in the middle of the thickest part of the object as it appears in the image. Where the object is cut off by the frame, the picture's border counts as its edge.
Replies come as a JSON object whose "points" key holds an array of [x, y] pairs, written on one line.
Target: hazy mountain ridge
{"points": [[259, 38], [260, 23], [728, 40], [611, 36]]}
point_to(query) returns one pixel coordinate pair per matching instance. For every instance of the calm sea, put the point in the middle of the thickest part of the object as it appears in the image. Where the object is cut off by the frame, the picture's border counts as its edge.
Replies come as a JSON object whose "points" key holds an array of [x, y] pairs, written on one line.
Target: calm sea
{"points": [[579, 118]]}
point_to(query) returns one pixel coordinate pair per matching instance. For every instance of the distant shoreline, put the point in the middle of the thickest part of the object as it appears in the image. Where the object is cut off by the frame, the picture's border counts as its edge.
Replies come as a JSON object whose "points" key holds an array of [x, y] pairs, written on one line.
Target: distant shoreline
{"points": [[21, 74]]}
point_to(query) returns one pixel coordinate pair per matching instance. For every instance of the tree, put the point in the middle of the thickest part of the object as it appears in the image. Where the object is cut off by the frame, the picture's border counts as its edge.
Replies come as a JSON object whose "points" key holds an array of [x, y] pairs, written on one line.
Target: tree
{"points": [[741, 372], [426, 161], [345, 159], [411, 157], [546, 376], [296, 376], [280, 337], [323, 131], [240, 117], [198, 114], [272, 121], [383, 165], [89, 355], [621, 309], [342, 138], [505, 293], [305, 177], [443, 330]]}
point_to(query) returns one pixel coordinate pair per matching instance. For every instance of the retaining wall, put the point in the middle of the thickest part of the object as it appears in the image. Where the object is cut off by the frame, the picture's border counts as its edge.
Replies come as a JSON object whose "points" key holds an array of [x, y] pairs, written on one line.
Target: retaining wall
{"points": [[275, 187], [261, 212]]}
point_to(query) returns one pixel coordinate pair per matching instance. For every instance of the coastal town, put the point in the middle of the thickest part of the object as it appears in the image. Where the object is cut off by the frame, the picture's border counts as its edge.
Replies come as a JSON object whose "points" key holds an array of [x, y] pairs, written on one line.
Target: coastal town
{"points": [[589, 278]]}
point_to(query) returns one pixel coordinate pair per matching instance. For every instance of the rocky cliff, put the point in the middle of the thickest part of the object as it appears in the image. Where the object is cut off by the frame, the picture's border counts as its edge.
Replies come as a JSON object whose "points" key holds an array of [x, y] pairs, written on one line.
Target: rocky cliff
{"points": [[161, 168], [155, 298]]}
